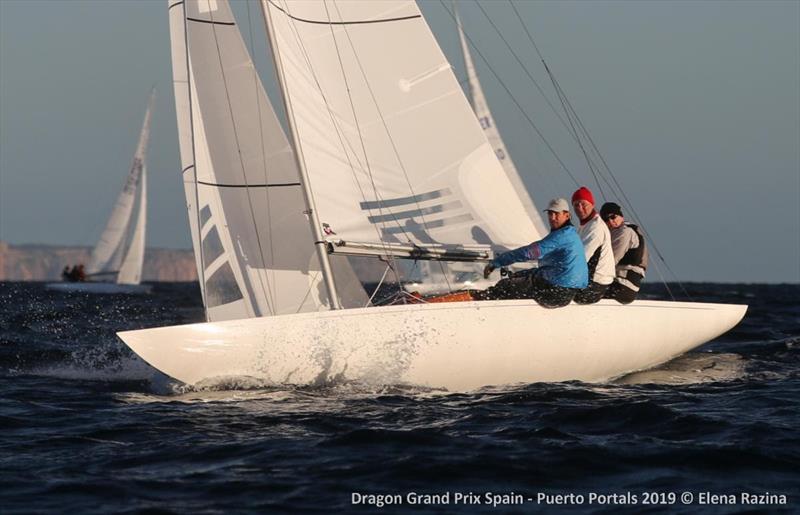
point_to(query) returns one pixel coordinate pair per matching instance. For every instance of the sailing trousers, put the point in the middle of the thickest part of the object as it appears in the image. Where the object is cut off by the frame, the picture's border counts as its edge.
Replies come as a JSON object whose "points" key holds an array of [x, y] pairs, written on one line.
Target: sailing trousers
{"points": [[592, 294], [528, 285], [620, 293]]}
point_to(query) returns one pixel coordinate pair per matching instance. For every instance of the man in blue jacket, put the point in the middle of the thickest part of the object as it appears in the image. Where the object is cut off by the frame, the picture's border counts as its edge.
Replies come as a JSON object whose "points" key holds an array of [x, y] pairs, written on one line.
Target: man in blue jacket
{"points": [[561, 273], [562, 269]]}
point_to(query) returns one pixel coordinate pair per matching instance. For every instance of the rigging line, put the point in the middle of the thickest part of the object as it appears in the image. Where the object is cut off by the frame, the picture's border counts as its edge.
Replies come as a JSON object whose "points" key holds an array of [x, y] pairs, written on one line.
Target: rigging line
{"points": [[337, 128], [635, 213], [663, 280], [558, 93], [309, 203], [516, 102], [570, 115], [385, 128], [552, 77], [618, 187], [202, 271], [541, 91], [265, 289], [271, 271], [595, 150], [444, 267], [530, 38], [383, 278], [358, 129], [594, 146], [355, 115], [312, 282], [335, 125], [524, 68], [621, 192], [388, 134], [391, 259]]}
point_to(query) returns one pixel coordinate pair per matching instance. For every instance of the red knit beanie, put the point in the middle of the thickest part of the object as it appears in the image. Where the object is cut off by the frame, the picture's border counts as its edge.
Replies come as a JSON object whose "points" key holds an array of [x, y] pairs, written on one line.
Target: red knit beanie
{"points": [[583, 193]]}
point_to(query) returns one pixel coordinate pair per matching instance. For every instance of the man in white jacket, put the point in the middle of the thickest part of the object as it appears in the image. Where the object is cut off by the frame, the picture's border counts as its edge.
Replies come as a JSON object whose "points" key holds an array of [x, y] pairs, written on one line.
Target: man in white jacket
{"points": [[596, 240]]}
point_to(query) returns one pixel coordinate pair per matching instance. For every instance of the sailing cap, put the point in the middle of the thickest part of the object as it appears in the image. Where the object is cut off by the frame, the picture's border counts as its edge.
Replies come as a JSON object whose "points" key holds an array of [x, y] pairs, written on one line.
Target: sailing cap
{"points": [[557, 205], [583, 193], [610, 208]]}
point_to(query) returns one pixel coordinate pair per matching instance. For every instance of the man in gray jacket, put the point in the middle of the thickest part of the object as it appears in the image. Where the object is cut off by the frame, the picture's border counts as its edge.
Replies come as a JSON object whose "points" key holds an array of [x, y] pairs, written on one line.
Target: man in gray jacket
{"points": [[630, 254]]}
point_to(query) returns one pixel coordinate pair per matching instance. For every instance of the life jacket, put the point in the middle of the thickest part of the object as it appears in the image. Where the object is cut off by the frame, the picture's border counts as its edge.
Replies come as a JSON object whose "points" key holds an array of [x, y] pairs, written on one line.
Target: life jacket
{"points": [[632, 266], [637, 256]]}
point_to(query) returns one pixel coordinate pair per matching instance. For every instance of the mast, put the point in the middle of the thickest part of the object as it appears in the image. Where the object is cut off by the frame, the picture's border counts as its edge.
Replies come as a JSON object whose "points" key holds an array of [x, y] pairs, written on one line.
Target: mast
{"points": [[179, 35], [316, 227]]}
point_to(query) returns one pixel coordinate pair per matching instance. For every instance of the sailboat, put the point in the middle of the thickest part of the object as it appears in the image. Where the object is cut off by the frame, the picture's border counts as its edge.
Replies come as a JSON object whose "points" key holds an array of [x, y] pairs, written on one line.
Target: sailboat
{"points": [[115, 265], [390, 162], [432, 278]]}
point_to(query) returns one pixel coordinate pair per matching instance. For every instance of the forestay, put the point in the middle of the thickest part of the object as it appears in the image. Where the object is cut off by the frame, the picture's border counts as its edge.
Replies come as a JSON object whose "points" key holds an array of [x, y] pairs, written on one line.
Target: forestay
{"points": [[251, 238], [393, 150]]}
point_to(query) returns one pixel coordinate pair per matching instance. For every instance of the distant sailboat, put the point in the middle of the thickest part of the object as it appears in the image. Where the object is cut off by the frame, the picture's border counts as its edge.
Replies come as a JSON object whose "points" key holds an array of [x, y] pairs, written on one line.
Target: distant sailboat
{"points": [[115, 265], [390, 161]]}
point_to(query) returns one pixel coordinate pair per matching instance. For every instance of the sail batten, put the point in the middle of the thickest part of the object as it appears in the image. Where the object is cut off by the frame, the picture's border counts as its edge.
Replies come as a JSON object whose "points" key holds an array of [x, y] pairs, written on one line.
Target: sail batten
{"points": [[349, 22], [275, 185]]}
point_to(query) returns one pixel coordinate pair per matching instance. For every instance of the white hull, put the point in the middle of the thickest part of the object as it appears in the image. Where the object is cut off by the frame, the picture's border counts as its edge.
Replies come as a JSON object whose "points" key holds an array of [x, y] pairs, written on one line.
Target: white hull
{"points": [[98, 287], [458, 346]]}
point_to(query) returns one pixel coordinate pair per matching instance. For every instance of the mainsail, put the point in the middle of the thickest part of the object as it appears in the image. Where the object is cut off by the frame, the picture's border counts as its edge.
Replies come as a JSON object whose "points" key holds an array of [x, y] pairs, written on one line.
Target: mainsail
{"points": [[120, 250], [392, 148], [250, 232]]}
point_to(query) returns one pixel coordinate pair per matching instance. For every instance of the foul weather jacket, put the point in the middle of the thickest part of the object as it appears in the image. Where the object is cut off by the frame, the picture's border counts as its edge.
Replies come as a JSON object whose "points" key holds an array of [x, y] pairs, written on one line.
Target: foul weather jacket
{"points": [[562, 261]]}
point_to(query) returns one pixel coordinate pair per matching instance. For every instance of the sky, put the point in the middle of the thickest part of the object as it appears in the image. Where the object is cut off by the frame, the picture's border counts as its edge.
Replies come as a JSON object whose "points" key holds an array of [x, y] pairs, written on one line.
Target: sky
{"points": [[695, 105]]}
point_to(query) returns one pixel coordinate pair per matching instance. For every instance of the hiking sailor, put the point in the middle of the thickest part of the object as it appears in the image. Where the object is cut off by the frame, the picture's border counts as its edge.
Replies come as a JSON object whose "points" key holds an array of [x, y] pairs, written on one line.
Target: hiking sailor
{"points": [[597, 246], [562, 270], [630, 254]]}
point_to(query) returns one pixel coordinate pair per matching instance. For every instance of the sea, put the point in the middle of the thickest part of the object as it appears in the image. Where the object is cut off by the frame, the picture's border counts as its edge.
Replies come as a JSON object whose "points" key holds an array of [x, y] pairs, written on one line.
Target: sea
{"points": [[87, 427]]}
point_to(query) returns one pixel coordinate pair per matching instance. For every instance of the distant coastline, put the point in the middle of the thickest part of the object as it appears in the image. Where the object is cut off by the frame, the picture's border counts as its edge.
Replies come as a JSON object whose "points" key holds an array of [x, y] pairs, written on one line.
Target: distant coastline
{"points": [[38, 262], [44, 262]]}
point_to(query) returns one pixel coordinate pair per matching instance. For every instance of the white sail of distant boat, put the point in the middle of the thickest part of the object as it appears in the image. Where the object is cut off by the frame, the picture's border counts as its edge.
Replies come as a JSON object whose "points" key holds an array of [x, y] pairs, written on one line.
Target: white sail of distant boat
{"points": [[115, 264], [392, 162]]}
